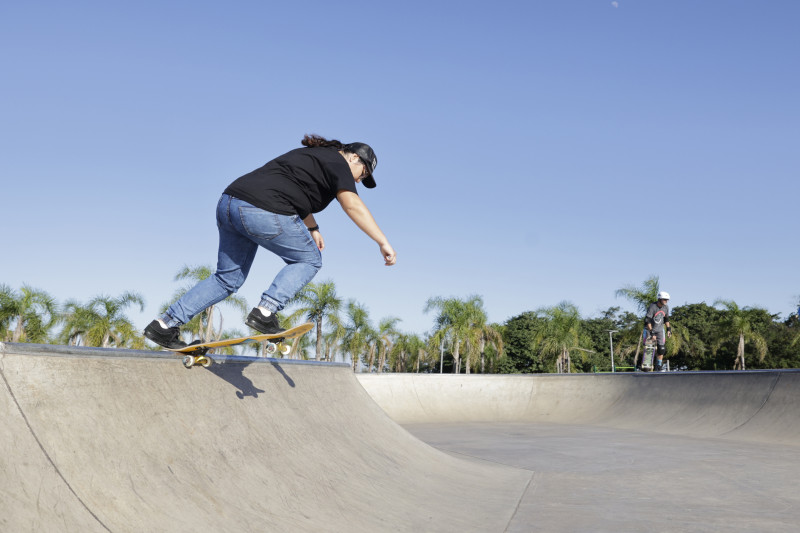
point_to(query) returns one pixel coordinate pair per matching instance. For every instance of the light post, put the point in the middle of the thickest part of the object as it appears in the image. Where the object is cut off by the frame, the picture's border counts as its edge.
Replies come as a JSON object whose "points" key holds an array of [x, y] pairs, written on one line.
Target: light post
{"points": [[611, 342]]}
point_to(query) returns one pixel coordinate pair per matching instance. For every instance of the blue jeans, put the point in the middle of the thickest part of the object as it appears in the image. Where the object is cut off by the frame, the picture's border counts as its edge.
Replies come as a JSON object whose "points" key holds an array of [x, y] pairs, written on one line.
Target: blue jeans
{"points": [[242, 229]]}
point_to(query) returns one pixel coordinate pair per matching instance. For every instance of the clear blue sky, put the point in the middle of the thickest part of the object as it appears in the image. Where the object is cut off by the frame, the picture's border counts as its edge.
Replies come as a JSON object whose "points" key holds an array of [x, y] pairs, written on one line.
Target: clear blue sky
{"points": [[529, 152]]}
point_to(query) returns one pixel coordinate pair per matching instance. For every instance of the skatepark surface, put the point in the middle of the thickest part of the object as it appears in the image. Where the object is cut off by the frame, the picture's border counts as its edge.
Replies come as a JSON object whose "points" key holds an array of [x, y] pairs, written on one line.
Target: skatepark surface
{"points": [[123, 440]]}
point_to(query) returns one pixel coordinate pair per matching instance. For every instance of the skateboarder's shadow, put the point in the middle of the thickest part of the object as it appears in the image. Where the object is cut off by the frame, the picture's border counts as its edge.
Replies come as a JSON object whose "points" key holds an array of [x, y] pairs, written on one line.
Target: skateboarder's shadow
{"points": [[234, 374]]}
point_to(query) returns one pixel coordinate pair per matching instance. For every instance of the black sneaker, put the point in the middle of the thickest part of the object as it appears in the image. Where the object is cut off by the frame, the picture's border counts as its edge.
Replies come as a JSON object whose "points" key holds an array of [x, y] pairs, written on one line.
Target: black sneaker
{"points": [[264, 324], [166, 337]]}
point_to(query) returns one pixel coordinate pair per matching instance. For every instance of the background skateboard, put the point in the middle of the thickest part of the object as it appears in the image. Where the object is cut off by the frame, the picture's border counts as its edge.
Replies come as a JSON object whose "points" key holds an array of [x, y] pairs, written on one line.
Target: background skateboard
{"points": [[649, 353]]}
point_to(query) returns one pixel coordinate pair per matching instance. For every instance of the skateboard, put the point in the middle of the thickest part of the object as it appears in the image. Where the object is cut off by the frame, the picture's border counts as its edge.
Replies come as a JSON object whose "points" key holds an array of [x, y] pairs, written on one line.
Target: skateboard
{"points": [[195, 353], [649, 353]]}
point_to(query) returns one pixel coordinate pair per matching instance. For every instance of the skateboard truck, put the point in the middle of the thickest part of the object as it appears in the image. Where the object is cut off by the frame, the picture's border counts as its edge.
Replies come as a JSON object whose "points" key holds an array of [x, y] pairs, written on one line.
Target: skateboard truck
{"points": [[196, 356]]}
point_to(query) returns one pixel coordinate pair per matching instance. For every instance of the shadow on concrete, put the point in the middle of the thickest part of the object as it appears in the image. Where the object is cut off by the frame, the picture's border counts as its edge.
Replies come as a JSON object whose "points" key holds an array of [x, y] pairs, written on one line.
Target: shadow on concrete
{"points": [[234, 374]]}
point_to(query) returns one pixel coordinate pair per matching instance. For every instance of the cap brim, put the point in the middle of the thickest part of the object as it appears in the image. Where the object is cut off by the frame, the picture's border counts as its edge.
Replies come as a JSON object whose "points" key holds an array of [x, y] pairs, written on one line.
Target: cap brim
{"points": [[369, 182]]}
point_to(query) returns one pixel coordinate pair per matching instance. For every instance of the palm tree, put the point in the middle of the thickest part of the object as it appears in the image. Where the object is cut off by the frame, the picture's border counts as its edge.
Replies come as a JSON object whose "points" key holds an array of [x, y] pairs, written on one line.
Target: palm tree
{"points": [[458, 324], [482, 334], [398, 355], [32, 312], [372, 347], [101, 322], [202, 325], [560, 333], [431, 352], [491, 335], [736, 323], [333, 339], [407, 348], [445, 329], [387, 333], [319, 302], [358, 331], [643, 295]]}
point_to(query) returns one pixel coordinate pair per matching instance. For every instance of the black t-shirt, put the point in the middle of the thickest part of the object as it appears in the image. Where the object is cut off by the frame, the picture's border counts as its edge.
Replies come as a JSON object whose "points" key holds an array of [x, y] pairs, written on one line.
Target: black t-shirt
{"points": [[299, 182]]}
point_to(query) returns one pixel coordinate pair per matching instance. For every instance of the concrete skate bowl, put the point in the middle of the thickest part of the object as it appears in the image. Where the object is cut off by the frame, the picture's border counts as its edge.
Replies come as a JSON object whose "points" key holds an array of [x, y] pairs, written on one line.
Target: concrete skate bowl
{"points": [[756, 406], [678, 452], [116, 440]]}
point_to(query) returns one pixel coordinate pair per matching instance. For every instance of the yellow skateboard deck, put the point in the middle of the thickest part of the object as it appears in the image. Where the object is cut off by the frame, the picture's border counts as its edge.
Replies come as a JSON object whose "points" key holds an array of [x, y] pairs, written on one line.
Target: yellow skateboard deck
{"points": [[196, 353]]}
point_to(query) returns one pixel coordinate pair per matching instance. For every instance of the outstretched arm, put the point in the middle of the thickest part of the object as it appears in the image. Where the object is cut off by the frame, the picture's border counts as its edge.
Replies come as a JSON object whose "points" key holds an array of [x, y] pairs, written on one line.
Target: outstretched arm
{"points": [[355, 208]]}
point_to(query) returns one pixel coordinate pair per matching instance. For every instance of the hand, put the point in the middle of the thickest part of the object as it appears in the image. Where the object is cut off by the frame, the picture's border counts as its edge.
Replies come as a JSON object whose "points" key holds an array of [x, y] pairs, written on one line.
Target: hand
{"points": [[388, 254], [318, 240]]}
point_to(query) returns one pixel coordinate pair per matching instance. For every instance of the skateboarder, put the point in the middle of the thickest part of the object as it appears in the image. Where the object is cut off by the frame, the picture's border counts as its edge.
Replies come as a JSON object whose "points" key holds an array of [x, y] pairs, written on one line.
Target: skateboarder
{"points": [[273, 207], [655, 320]]}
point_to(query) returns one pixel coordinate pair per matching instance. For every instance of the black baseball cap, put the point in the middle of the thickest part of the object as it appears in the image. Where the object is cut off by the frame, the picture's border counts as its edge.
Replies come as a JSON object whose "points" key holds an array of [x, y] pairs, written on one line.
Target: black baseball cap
{"points": [[364, 151]]}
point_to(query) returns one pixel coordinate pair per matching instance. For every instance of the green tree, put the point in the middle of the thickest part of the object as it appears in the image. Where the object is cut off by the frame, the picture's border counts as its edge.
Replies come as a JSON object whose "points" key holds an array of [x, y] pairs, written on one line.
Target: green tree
{"points": [[626, 327], [643, 295], [490, 345], [559, 334], [358, 331], [519, 341], [457, 324], [27, 315], [480, 334], [783, 339], [793, 323], [700, 323], [407, 351], [102, 322], [332, 341], [738, 323], [372, 344], [318, 302], [387, 333]]}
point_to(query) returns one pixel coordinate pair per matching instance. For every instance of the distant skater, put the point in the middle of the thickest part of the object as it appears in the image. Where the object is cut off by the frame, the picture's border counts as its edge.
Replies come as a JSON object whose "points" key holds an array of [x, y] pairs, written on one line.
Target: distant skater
{"points": [[273, 207], [656, 319]]}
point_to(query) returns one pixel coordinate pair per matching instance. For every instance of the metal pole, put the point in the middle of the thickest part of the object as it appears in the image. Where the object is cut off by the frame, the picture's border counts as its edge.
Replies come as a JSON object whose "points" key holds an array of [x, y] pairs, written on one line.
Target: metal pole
{"points": [[441, 357], [611, 342]]}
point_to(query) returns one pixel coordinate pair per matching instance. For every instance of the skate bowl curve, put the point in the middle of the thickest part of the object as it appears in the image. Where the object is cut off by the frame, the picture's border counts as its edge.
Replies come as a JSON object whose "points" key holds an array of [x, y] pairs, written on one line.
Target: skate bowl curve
{"points": [[621, 452], [122, 440], [757, 406]]}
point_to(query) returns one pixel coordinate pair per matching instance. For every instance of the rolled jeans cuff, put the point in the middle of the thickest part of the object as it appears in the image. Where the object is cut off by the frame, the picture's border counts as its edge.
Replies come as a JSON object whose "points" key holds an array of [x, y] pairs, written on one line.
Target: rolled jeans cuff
{"points": [[271, 305], [170, 322]]}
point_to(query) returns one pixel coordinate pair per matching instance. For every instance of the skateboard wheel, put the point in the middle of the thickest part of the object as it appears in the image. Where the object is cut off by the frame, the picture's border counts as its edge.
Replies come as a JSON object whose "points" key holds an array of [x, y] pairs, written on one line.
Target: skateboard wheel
{"points": [[271, 347], [188, 361], [285, 349], [205, 361]]}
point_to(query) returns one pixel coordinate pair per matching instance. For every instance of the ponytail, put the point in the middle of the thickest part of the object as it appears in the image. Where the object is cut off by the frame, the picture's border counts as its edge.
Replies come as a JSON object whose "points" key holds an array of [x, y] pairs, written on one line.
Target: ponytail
{"points": [[316, 140]]}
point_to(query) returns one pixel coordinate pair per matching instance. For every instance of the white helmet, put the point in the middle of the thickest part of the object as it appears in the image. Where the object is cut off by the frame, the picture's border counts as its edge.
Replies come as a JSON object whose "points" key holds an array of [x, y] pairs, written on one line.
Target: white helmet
{"points": [[663, 295]]}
